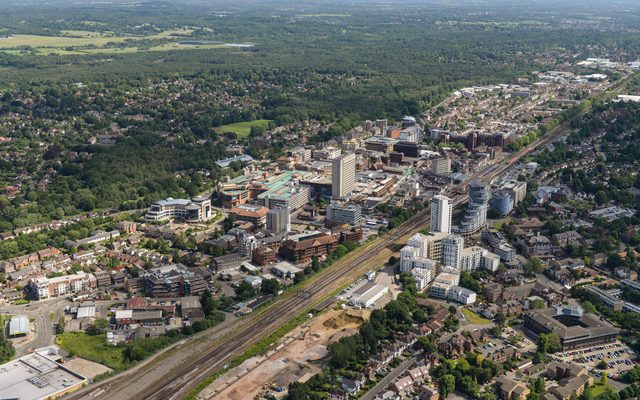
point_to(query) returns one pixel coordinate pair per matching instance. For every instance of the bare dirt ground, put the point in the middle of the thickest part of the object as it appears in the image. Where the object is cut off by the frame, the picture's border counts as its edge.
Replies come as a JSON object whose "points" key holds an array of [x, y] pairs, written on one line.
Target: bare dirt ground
{"points": [[298, 356], [88, 369]]}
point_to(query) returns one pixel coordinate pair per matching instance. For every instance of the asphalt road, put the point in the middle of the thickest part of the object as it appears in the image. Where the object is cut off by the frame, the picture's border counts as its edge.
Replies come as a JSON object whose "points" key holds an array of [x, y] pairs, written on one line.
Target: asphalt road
{"points": [[388, 379], [40, 312]]}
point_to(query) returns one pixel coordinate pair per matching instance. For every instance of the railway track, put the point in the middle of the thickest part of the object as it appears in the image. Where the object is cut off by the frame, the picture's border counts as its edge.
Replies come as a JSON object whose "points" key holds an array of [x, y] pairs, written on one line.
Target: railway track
{"points": [[179, 381]]}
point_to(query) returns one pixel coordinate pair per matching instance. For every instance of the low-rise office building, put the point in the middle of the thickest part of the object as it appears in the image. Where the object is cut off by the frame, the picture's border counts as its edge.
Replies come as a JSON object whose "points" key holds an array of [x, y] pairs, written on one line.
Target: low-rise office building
{"points": [[195, 210], [257, 215], [575, 327], [303, 250], [344, 214], [173, 280]]}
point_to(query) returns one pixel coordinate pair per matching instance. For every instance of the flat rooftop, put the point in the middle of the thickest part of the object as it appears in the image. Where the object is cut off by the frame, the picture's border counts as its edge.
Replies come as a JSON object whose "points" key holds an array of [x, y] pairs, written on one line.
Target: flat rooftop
{"points": [[572, 323], [35, 377]]}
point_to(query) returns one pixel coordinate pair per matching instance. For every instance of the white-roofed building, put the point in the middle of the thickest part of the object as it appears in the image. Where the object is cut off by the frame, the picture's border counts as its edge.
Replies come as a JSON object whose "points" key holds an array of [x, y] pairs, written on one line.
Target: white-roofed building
{"points": [[370, 297], [422, 277], [37, 377], [18, 326], [86, 310], [461, 295], [285, 270], [448, 278]]}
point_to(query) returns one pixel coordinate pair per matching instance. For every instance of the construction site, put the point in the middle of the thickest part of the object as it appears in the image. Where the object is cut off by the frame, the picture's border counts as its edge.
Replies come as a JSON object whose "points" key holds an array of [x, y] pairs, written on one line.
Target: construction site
{"points": [[297, 357]]}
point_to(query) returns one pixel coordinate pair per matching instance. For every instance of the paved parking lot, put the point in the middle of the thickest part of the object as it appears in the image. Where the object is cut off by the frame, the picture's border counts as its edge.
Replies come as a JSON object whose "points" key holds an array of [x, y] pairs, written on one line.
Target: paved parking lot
{"points": [[618, 356]]}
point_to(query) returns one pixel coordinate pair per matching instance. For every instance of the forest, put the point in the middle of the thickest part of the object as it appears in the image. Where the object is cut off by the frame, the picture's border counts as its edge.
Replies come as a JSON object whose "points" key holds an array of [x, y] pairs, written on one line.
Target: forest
{"points": [[335, 63]]}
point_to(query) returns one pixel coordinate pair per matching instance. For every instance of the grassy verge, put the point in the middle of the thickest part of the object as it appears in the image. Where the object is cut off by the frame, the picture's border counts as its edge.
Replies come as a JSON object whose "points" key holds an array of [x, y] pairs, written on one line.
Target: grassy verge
{"points": [[474, 318], [598, 388]]}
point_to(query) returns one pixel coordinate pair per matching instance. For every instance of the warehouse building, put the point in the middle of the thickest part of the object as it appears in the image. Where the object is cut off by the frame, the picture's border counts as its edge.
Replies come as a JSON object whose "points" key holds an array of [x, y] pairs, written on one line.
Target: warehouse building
{"points": [[37, 377], [369, 294]]}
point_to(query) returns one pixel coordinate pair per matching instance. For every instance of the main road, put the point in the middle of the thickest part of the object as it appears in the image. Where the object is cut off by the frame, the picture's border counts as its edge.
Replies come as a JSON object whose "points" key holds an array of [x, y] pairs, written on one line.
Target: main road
{"points": [[175, 373]]}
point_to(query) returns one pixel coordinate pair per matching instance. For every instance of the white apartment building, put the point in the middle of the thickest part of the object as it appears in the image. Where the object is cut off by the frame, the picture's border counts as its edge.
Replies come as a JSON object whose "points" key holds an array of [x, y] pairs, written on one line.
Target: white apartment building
{"points": [[343, 175], [423, 276], [452, 247], [448, 278], [421, 243], [491, 261], [476, 215], [417, 253], [441, 213], [45, 288], [475, 258], [471, 259], [461, 295], [407, 256]]}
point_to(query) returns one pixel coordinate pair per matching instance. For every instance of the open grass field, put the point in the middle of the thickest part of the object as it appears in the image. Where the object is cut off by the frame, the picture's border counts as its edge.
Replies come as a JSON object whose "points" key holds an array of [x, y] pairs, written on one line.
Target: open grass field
{"points": [[93, 348], [242, 129], [79, 42], [474, 318], [83, 38]]}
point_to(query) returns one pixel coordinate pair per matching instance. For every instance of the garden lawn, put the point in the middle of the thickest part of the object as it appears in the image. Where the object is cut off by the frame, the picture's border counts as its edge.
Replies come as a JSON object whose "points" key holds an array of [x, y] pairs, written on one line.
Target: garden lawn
{"points": [[474, 318]]}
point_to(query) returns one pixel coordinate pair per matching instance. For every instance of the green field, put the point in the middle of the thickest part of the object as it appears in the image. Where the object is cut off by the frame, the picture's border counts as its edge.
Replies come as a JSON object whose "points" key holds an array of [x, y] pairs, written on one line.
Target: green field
{"points": [[598, 388], [78, 42], [474, 318], [82, 38], [242, 129], [93, 348]]}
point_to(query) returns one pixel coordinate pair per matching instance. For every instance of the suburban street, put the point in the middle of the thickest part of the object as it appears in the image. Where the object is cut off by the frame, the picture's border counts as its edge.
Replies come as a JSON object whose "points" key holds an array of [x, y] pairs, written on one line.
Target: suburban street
{"points": [[390, 377]]}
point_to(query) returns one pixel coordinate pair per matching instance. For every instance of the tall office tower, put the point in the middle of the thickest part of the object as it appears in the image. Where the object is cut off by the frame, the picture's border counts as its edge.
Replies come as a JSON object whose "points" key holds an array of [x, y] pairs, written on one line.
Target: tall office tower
{"points": [[452, 251], [476, 215], [441, 211], [382, 125], [343, 179], [279, 220]]}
